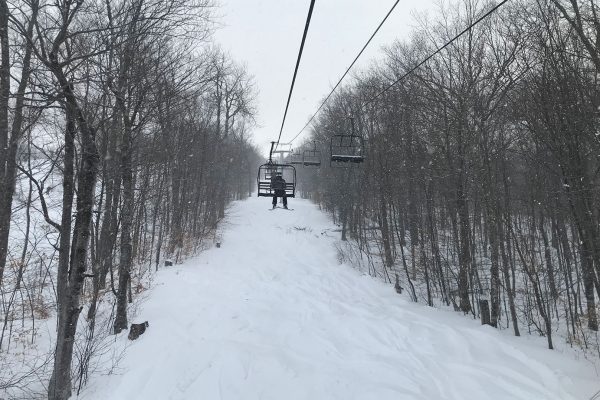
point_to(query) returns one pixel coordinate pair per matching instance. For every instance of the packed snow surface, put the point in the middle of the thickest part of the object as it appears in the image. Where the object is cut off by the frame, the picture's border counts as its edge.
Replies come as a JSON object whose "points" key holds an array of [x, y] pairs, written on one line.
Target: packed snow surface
{"points": [[273, 315]]}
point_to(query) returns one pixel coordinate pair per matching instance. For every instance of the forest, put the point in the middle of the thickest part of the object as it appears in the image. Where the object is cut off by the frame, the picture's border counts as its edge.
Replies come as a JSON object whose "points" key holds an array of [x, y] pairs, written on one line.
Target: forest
{"points": [[125, 133], [119, 125], [480, 189]]}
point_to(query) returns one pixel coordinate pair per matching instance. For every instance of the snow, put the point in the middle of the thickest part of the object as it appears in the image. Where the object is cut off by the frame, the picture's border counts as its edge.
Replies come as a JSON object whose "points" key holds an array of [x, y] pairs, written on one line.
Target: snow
{"points": [[273, 315]]}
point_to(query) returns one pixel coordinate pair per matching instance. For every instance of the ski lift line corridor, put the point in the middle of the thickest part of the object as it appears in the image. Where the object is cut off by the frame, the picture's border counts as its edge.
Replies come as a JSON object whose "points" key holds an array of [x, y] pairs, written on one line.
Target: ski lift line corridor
{"points": [[272, 315]]}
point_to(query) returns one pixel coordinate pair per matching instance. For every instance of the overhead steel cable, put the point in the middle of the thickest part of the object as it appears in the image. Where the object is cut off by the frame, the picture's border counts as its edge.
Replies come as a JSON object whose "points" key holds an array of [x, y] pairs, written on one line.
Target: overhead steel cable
{"points": [[310, 10], [347, 70], [439, 49], [484, 16]]}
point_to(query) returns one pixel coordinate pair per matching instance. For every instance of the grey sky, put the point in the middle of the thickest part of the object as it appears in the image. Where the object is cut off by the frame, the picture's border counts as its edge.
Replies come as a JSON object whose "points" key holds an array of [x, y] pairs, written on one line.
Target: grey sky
{"points": [[265, 35]]}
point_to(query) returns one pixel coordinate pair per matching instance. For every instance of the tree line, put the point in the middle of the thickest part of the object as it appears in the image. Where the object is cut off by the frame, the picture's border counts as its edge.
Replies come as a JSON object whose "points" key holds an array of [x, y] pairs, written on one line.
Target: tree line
{"points": [[124, 133], [481, 179]]}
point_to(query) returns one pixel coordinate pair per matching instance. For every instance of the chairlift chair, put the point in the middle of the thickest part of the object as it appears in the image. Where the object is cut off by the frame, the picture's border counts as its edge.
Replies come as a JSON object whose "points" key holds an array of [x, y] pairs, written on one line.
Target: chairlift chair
{"points": [[282, 148], [296, 158], [268, 171], [311, 158], [347, 150]]}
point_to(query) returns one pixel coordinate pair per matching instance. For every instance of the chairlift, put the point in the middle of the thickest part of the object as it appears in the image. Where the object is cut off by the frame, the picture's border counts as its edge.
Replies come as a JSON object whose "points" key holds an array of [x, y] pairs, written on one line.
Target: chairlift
{"points": [[282, 148], [266, 174], [347, 149], [296, 158], [268, 171], [312, 158]]}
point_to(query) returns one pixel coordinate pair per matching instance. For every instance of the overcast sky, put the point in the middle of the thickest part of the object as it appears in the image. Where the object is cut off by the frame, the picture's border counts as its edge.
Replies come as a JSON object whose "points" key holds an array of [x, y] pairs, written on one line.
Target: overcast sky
{"points": [[265, 35]]}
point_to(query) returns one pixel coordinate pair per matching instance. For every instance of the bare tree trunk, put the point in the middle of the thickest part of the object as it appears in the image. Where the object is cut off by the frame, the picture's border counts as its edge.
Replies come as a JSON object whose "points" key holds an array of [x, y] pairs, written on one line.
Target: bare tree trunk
{"points": [[385, 233], [126, 223], [5, 180], [69, 289], [464, 254], [60, 382], [9, 138]]}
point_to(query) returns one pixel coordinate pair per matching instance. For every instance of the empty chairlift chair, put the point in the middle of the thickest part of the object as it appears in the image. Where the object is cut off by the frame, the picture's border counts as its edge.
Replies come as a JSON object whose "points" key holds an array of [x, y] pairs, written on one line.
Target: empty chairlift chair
{"points": [[296, 158], [281, 150], [311, 158], [347, 150]]}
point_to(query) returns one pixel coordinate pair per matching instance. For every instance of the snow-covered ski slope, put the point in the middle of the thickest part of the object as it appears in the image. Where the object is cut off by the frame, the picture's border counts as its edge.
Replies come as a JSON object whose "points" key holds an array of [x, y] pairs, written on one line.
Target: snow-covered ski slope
{"points": [[272, 315]]}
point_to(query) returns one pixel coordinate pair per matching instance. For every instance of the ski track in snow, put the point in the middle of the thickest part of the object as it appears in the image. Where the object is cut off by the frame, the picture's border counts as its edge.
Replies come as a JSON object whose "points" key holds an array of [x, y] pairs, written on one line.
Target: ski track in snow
{"points": [[272, 315]]}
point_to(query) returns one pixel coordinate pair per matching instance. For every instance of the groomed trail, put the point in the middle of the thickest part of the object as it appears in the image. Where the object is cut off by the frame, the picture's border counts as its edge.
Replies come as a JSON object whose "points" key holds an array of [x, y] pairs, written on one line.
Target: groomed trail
{"points": [[273, 315]]}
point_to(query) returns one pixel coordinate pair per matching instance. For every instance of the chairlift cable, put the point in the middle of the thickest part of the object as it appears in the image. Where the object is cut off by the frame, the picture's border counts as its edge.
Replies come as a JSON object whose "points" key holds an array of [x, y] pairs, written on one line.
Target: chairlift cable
{"points": [[439, 49], [347, 70], [484, 16], [310, 10]]}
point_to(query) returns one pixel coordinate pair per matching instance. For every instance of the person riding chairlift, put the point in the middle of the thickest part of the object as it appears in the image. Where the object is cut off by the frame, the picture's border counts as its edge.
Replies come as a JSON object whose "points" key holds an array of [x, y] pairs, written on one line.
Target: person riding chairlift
{"points": [[278, 185]]}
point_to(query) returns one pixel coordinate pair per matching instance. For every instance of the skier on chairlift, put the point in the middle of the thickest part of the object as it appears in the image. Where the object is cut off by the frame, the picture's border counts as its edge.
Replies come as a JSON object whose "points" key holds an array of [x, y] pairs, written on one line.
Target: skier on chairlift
{"points": [[278, 185]]}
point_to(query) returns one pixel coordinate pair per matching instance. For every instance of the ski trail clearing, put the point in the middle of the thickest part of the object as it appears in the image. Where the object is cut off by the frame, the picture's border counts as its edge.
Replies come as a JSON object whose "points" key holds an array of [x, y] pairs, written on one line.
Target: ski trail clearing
{"points": [[272, 315]]}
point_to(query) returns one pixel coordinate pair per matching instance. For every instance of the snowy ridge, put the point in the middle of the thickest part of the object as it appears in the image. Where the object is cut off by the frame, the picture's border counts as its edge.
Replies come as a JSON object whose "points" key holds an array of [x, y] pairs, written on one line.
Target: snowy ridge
{"points": [[272, 315]]}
